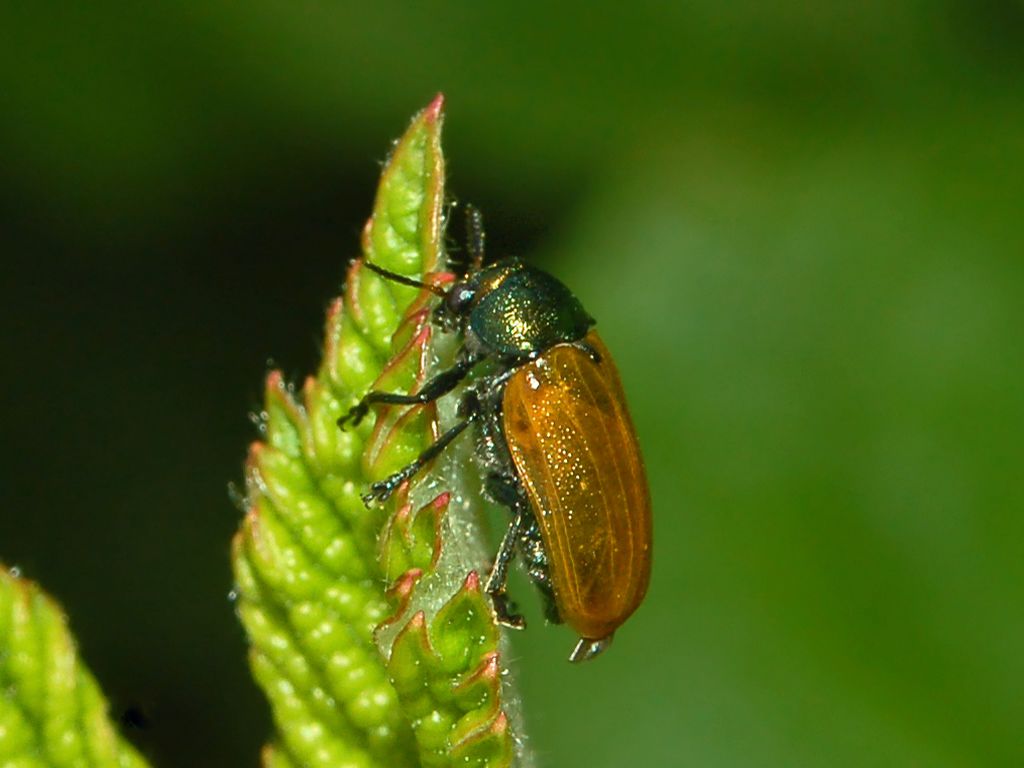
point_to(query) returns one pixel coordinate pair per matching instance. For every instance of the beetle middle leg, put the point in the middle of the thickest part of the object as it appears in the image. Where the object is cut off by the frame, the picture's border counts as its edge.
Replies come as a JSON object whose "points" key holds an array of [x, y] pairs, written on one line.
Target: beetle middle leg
{"points": [[381, 491]]}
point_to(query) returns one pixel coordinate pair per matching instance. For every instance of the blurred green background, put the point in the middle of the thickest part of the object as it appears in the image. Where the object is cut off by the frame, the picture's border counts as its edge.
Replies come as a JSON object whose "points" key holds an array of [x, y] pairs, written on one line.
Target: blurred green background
{"points": [[798, 224]]}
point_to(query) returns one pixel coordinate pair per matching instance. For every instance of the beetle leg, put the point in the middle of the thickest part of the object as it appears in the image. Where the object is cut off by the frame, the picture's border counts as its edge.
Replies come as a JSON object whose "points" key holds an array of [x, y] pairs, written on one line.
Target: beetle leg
{"points": [[532, 548], [439, 385], [541, 580], [382, 490], [495, 586], [502, 489]]}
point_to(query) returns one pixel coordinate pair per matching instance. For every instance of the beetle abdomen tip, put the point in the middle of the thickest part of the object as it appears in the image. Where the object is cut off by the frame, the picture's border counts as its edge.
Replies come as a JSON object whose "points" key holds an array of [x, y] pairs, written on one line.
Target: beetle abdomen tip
{"points": [[587, 648]]}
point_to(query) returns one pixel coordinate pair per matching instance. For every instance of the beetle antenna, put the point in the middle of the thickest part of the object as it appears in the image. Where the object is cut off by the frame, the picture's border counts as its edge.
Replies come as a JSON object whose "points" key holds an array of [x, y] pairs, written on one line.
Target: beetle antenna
{"points": [[402, 279], [475, 235]]}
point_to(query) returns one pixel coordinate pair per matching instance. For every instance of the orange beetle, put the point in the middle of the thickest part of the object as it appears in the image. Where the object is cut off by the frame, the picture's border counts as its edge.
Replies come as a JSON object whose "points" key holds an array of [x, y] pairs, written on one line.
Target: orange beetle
{"points": [[575, 451], [555, 437]]}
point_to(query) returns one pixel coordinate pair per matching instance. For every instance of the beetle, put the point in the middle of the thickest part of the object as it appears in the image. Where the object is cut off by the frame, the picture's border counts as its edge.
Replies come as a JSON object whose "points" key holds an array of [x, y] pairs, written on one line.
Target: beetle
{"points": [[555, 438]]}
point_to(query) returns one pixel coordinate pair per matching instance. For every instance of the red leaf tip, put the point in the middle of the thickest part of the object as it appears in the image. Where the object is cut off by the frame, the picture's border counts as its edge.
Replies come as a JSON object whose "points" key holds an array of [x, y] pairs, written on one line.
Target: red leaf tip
{"points": [[489, 669], [334, 309], [500, 724], [404, 584], [434, 109]]}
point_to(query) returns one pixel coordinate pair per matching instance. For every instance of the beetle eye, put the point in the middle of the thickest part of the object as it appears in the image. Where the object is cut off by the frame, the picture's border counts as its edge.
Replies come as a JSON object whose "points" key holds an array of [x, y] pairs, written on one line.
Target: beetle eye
{"points": [[459, 297]]}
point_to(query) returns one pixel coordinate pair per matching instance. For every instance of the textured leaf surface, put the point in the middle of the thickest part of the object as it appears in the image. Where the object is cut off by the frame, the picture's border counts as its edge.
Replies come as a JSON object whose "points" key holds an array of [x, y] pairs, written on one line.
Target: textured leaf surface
{"points": [[51, 710], [321, 592]]}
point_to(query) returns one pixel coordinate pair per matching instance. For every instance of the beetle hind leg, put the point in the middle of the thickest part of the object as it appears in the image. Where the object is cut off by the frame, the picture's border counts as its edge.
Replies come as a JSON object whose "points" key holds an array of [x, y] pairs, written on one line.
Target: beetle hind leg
{"points": [[496, 582], [503, 487], [531, 545], [547, 595], [504, 611]]}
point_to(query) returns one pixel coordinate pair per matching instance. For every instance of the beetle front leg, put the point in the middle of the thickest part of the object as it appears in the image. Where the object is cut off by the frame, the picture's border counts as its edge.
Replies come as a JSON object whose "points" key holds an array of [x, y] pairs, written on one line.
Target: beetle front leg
{"points": [[438, 386]]}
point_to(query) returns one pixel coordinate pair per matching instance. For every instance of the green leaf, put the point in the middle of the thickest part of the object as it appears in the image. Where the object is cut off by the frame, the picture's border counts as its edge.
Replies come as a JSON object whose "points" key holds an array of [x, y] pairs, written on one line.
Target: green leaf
{"points": [[51, 710], [325, 585]]}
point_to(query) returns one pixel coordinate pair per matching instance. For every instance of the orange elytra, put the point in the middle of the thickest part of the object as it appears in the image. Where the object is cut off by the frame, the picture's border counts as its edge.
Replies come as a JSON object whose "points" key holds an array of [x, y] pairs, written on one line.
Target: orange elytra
{"points": [[575, 450]]}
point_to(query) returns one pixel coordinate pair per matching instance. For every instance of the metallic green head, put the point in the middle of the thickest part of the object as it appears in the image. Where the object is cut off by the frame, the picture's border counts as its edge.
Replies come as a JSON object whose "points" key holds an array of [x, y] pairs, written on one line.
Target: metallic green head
{"points": [[516, 311]]}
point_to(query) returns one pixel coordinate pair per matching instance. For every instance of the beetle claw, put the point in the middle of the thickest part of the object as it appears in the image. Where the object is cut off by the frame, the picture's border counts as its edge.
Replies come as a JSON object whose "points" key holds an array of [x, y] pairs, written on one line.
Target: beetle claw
{"points": [[378, 493], [512, 621], [503, 614], [355, 415]]}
